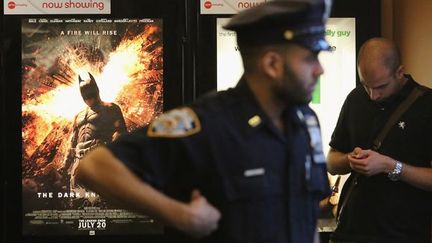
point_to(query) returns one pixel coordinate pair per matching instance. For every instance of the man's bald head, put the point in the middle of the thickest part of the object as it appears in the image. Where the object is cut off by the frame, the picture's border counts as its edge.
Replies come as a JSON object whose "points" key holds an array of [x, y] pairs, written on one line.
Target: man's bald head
{"points": [[379, 53], [380, 69]]}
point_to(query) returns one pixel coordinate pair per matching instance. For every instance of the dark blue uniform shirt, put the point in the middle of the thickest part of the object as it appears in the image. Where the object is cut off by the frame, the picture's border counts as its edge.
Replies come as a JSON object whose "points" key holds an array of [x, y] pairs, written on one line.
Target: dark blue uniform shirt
{"points": [[265, 182]]}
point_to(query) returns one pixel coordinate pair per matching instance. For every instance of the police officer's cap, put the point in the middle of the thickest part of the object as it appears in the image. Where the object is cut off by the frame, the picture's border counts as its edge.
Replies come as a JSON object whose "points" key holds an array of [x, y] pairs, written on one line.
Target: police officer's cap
{"points": [[281, 21]]}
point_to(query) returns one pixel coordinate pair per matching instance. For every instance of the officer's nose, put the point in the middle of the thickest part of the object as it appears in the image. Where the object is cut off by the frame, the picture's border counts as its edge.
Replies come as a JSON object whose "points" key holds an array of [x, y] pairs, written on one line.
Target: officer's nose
{"points": [[319, 70]]}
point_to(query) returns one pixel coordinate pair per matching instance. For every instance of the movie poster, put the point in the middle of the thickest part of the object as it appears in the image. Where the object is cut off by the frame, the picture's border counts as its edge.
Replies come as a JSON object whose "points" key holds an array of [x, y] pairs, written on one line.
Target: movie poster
{"points": [[84, 83]]}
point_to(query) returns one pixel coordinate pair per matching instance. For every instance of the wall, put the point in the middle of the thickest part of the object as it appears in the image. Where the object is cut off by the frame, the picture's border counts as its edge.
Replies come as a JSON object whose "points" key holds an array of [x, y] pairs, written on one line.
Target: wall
{"points": [[409, 23]]}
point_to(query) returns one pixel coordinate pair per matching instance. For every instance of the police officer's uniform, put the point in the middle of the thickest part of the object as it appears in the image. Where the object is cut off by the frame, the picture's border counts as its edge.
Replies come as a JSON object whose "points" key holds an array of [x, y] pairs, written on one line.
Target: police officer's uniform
{"points": [[266, 183]]}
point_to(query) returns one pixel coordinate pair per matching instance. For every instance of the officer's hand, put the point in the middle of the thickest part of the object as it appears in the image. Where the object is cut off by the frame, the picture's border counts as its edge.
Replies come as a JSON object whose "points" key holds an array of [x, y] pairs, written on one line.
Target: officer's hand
{"points": [[370, 162], [201, 218]]}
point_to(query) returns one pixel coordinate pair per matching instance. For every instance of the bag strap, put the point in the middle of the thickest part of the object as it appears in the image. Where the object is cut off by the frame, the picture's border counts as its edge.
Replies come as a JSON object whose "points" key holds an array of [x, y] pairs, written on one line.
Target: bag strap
{"points": [[415, 93]]}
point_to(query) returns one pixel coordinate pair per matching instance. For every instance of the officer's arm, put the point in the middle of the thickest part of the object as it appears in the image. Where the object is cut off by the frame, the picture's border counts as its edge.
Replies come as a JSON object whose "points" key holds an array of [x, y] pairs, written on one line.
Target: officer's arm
{"points": [[103, 173], [337, 162]]}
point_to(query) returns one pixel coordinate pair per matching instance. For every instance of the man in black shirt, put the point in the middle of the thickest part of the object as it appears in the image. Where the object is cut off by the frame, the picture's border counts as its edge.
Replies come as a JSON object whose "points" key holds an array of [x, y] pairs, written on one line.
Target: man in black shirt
{"points": [[244, 165], [391, 200]]}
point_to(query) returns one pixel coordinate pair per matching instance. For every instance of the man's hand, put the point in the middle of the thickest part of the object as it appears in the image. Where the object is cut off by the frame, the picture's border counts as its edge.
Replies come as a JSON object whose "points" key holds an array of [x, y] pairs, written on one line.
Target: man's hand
{"points": [[369, 162], [199, 218]]}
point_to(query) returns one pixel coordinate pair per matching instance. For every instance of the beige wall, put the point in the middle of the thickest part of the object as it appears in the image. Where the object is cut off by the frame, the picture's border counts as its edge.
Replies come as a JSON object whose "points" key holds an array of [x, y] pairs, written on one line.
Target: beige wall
{"points": [[409, 24]]}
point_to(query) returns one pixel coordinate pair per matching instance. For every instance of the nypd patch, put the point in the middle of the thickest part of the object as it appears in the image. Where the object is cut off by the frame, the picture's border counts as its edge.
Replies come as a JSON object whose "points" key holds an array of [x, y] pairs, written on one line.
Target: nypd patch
{"points": [[181, 122]]}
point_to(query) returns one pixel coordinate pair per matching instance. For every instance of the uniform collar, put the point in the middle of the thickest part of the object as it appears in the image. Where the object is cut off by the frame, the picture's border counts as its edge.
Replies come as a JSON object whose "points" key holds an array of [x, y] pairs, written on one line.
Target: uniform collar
{"points": [[252, 116], [250, 108]]}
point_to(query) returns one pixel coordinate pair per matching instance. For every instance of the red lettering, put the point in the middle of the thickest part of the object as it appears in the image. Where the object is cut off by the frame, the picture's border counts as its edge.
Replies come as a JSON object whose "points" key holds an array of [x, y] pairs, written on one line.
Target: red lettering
{"points": [[242, 5], [91, 4], [52, 5]]}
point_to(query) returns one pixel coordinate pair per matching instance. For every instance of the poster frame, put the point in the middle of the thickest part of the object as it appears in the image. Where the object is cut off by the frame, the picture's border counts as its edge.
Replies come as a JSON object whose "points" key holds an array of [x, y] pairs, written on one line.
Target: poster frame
{"points": [[175, 62]]}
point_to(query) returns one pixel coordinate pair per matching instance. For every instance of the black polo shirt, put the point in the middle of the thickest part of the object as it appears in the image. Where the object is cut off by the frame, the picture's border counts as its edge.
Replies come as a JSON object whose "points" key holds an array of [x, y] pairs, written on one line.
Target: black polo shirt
{"points": [[380, 210], [266, 184]]}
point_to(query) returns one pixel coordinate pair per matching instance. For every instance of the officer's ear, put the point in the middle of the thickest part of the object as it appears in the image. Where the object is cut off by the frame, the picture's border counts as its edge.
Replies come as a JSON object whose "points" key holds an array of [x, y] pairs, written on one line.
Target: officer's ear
{"points": [[272, 64]]}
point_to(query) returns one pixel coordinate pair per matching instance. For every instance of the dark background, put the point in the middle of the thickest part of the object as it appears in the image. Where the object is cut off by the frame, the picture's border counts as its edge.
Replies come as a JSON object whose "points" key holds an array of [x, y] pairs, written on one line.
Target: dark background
{"points": [[189, 71]]}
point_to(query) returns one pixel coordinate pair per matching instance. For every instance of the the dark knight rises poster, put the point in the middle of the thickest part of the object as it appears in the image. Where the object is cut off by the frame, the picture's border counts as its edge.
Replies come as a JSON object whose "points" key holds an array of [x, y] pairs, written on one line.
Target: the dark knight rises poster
{"points": [[84, 83]]}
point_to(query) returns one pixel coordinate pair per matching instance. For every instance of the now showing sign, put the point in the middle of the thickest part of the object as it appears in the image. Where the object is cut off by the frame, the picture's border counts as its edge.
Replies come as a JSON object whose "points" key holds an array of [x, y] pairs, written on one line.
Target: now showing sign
{"points": [[18, 7], [227, 6]]}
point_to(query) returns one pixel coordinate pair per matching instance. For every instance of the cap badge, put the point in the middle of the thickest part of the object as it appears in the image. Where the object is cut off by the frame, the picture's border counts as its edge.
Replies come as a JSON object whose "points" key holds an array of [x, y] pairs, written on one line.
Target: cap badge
{"points": [[401, 125], [289, 34], [254, 121]]}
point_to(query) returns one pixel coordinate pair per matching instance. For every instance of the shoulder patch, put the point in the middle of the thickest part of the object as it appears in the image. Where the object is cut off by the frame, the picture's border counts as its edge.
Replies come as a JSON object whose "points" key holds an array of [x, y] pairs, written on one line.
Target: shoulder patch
{"points": [[181, 122]]}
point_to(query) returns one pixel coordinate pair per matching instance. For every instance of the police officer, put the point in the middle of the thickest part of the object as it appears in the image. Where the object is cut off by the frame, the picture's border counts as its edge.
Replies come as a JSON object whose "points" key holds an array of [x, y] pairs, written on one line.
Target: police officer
{"points": [[244, 165]]}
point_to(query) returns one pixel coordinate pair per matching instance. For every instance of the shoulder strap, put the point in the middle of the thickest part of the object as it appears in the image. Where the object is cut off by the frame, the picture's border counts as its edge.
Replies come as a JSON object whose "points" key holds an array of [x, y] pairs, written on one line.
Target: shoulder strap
{"points": [[415, 93]]}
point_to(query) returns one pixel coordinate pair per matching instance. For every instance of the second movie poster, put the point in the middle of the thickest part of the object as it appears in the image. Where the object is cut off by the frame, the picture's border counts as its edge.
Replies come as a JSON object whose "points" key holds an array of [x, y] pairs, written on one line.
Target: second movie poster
{"points": [[84, 83]]}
